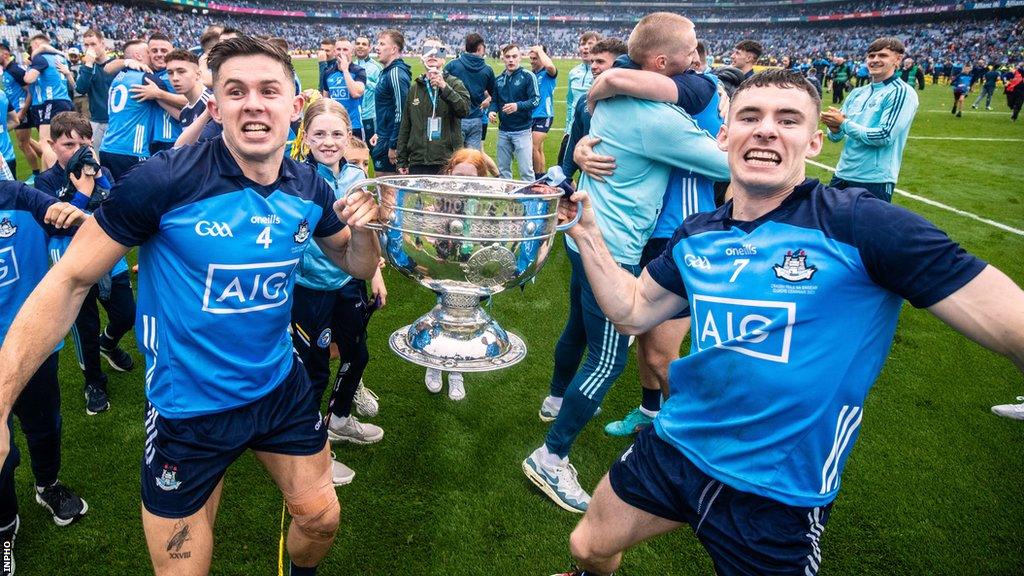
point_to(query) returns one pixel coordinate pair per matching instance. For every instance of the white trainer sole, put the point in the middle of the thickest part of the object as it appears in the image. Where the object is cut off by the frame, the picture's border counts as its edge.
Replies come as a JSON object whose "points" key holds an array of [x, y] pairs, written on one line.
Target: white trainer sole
{"points": [[539, 482]]}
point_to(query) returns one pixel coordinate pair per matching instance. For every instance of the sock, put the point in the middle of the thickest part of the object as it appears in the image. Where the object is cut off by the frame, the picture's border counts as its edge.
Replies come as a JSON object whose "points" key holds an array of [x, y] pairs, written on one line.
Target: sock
{"points": [[650, 402], [40, 489], [300, 571], [549, 458], [555, 401]]}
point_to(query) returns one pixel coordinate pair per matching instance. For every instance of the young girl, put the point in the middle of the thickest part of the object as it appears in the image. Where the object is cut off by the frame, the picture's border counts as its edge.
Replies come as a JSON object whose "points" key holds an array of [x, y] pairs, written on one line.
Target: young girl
{"points": [[464, 162], [329, 305]]}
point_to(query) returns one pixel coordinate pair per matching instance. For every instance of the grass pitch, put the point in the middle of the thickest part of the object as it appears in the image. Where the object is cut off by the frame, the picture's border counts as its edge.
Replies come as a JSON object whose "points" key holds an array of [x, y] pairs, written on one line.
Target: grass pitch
{"points": [[933, 486]]}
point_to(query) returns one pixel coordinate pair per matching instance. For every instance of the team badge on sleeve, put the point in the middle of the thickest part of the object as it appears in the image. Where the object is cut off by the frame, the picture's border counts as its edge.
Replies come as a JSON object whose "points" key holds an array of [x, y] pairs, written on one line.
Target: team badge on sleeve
{"points": [[794, 267], [7, 228], [302, 234]]}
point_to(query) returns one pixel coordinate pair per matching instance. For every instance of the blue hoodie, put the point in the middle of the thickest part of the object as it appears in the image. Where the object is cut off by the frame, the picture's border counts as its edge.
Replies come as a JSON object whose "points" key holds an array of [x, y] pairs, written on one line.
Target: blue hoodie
{"points": [[390, 101], [519, 87], [477, 76]]}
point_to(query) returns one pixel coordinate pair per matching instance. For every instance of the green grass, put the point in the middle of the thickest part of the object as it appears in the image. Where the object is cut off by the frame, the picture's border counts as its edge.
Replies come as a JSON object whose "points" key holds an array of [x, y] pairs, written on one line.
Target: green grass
{"points": [[934, 486]]}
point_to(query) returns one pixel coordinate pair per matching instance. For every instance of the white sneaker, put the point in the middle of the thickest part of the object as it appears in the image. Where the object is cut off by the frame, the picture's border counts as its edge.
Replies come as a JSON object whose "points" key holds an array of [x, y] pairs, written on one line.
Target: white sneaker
{"points": [[433, 380], [1015, 411], [558, 482], [352, 430], [341, 474], [456, 387], [550, 408], [365, 401]]}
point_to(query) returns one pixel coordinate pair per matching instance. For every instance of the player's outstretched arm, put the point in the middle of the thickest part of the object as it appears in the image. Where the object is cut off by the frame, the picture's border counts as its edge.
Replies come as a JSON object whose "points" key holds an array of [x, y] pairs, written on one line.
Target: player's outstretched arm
{"points": [[634, 305], [989, 310], [52, 307]]}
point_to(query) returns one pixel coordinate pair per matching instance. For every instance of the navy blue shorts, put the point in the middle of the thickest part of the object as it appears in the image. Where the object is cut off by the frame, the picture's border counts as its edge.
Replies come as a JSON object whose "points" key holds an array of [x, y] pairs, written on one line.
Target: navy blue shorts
{"points": [[43, 113], [653, 249], [743, 533], [542, 124], [185, 459], [118, 164]]}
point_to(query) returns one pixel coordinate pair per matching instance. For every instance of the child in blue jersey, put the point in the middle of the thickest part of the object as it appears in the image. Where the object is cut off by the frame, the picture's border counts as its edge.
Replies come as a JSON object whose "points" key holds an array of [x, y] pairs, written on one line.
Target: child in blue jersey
{"points": [[331, 306], [795, 290], [961, 87], [26, 218], [544, 114]]}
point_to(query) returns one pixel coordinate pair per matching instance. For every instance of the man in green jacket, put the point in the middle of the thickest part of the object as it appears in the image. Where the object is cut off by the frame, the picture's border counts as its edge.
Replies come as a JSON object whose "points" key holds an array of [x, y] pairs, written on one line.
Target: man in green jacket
{"points": [[431, 127]]}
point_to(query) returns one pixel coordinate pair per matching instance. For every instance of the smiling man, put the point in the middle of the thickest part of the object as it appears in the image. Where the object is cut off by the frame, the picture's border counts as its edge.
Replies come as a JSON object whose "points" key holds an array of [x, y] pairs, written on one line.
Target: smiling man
{"points": [[795, 289], [875, 121], [221, 227]]}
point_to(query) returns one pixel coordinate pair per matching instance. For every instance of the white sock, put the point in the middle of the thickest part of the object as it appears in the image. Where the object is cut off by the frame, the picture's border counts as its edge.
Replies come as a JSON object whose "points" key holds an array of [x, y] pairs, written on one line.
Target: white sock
{"points": [[549, 458], [648, 413], [555, 401], [338, 421]]}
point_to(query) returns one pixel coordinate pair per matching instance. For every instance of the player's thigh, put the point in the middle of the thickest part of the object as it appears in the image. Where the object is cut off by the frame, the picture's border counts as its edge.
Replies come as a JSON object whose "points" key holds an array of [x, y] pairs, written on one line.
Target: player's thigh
{"points": [[295, 474], [180, 546], [611, 525]]}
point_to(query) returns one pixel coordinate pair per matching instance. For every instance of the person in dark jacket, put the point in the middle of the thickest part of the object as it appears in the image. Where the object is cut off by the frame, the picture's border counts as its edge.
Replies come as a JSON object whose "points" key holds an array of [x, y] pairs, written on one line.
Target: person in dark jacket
{"points": [[389, 100], [431, 128], [478, 78], [912, 73], [516, 94]]}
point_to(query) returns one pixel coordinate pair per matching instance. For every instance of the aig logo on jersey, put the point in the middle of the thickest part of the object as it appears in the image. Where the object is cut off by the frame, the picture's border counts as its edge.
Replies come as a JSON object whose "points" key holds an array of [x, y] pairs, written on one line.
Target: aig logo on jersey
{"points": [[215, 229], [8, 266], [244, 288], [759, 328]]}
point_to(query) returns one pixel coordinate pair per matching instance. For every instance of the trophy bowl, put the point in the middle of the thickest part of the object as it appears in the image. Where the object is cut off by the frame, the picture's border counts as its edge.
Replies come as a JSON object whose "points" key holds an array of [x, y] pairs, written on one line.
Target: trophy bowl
{"points": [[467, 239]]}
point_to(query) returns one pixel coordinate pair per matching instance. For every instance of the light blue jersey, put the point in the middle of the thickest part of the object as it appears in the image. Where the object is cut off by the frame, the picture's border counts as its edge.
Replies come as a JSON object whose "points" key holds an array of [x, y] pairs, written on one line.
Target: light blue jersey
{"points": [[217, 256], [130, 128], [793, 317], [546, 82], [878, 118], [165, 127], [51, 84], [647, 140], [6, 146], [316, 271], [14, 85], [580, 79], [373, 71]]}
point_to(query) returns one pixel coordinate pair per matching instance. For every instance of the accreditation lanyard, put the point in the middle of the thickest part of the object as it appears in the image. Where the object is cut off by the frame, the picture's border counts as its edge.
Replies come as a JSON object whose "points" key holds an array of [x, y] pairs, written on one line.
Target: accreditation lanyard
{"points": [[433, 123]]}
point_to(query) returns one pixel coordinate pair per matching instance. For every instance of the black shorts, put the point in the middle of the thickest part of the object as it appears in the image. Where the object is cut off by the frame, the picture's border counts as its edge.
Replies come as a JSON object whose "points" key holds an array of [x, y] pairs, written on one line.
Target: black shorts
{"points": [[26, 122], [118, 164], [743, 533], [184, 459], [653, 249], [542, 124], [42, 114]]}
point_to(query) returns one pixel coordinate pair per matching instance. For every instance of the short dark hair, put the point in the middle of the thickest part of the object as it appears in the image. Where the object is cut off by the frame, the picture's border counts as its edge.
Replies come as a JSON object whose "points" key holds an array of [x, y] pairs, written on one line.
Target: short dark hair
{"points": [[209, 39], [473, 42], [888, 42], [129, 43], [327, 41], [279, 42], [40, 36], [508, 47], [65, 123], [159, 36], [702, 50], [588, 36], [396, 38], [96, 32], [180, 54], [231, 30], [752, 46], [779, 78], [247, 46], [611, 46]]}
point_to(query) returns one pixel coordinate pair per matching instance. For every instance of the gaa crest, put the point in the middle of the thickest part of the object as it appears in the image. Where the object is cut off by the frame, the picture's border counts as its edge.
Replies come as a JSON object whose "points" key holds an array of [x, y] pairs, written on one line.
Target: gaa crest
{"points": [[168, 479], [302, 234], [7, 228], [794, 267]]}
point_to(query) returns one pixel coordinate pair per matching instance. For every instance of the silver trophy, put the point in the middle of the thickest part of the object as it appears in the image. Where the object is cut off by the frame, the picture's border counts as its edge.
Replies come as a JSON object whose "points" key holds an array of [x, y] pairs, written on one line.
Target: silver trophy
{"points": [[467, 239]]}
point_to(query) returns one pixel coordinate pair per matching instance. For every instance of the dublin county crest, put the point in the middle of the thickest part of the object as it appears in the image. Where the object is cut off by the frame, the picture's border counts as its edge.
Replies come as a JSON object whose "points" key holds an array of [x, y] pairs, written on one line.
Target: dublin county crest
{"points": [[7, 228], [794, 267], [168, 481], [302, 234]]}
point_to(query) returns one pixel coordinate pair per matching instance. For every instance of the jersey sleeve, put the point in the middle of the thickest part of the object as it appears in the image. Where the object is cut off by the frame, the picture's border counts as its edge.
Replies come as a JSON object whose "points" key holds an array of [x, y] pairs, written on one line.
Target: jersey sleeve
{"points": [[695, 91], [36, 203], [329, 223], [664, 270], [360, 75], [18, 73], [158, 81], [675, 139], [137, 202], [39, 63], [908, 255]]}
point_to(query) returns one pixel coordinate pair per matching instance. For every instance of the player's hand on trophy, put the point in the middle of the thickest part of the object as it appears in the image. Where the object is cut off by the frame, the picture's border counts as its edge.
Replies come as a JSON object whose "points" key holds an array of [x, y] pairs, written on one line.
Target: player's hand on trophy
{"points": [[357, 209], [568, 208], [594, 164]]}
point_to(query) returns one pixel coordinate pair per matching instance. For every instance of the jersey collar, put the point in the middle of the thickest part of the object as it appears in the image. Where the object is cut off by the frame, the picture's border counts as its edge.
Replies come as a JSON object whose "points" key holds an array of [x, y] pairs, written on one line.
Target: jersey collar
{"points": [[800, 192]]}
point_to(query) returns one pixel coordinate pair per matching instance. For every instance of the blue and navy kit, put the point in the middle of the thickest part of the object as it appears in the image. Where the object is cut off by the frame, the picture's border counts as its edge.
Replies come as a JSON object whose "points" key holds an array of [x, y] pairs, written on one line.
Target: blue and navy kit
{"points": [[195, 109], [793, 317], [217, 259], [6, 146], [518, 87], [165, 127], [51, 84], [546, 83], [130, 128], [23, 237], [14, 85], [316, 271], [333, 82]]}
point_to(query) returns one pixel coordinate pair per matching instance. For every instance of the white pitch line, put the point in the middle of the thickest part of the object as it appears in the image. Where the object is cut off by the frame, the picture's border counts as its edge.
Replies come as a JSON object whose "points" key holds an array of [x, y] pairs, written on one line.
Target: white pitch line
{"points": [[931, 202], [966, 138], [968, 111]]}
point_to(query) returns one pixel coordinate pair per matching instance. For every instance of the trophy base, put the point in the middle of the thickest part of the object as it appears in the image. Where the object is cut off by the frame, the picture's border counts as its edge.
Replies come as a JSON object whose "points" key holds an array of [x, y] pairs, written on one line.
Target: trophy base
{"points": [[458, 336]]}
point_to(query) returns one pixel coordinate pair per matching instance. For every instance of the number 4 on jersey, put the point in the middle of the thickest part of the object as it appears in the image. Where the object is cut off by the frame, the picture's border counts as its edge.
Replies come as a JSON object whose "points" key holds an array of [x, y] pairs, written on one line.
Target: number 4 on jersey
{"points": [[264, 238]]}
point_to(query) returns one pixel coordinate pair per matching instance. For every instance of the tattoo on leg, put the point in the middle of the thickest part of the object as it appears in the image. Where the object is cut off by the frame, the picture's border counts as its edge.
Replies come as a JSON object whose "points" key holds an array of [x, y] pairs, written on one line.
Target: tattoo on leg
{"points": [[178, 539]]}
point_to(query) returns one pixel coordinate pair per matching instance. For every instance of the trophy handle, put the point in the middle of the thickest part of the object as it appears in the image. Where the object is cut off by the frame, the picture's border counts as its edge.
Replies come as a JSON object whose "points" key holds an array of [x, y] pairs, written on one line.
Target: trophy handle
{"points": [[573, 222], [371, 186]]}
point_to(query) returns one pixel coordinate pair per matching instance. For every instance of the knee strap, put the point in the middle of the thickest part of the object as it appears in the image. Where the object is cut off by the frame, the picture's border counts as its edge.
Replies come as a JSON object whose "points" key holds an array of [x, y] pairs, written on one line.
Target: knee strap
{"points": [[309, 505]]}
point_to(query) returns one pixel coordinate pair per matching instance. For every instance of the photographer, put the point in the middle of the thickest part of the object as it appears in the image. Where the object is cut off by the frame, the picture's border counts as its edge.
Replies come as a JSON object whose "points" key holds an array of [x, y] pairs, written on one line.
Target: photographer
{"points": [[77, 178]]}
